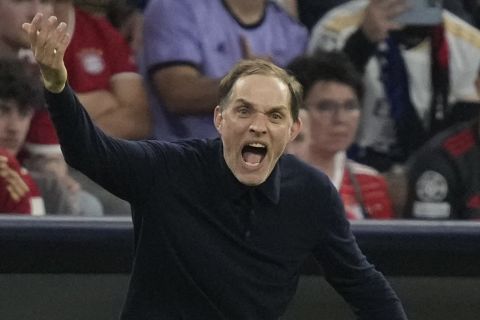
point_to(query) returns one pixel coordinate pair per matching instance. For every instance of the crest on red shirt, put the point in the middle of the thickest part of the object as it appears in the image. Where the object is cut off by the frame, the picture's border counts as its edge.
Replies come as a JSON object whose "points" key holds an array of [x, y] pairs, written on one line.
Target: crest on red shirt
{"points": [[92, 61]]}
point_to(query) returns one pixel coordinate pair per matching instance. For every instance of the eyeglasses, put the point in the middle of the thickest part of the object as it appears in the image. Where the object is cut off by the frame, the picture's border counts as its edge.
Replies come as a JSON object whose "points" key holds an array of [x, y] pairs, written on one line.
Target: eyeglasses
{"points": [[331, 107]]}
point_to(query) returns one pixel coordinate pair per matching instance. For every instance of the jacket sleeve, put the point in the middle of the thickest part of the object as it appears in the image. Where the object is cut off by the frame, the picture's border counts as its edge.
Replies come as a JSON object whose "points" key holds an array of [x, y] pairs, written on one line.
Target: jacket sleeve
{"points": [[348, 271], [128, 169]]}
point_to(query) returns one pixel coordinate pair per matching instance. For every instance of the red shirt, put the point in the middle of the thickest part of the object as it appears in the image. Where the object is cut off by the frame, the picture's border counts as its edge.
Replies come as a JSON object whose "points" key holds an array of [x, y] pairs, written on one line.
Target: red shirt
{"points": [[96, 52], [360, 185], [29, 203], [372, 189]]}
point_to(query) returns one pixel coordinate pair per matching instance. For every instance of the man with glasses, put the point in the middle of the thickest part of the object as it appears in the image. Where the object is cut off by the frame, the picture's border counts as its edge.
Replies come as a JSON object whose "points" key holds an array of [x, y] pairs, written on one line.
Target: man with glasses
{"points": [[332, 93]]}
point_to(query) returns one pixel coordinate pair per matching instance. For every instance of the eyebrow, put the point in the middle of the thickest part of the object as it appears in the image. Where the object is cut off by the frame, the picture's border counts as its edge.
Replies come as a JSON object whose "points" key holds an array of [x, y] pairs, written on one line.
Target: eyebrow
{"points": [[241, 100], [273, 109]]}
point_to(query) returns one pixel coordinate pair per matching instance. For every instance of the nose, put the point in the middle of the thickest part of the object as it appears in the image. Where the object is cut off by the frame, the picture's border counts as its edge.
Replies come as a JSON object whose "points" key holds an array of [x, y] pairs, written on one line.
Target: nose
{"points": [[258, 125], [13, 125], [340, 114]]}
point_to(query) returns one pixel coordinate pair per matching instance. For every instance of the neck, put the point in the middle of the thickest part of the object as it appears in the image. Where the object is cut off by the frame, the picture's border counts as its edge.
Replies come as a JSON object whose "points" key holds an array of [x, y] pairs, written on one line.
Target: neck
{"points": [[247, 11]]}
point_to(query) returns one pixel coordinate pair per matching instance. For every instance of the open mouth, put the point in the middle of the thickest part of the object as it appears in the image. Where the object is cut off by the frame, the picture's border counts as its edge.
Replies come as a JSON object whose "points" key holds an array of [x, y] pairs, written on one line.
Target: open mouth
{"points": [[254, 153]]}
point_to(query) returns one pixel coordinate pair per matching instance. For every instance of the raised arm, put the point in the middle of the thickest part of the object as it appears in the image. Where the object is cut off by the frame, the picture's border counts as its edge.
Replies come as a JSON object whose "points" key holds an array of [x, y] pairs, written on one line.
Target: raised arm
{"points": [[122, 167], [359, 32], [348, 271]]}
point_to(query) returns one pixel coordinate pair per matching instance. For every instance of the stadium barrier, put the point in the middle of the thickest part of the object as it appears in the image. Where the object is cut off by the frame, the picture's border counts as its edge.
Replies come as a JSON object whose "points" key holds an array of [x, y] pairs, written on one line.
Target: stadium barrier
{"points": [[58, 244], [75, 268]]}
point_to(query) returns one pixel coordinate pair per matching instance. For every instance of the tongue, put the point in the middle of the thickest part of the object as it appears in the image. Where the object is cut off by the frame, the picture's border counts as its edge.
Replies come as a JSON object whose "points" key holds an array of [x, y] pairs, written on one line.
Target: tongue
{"points": [[252, 157]]}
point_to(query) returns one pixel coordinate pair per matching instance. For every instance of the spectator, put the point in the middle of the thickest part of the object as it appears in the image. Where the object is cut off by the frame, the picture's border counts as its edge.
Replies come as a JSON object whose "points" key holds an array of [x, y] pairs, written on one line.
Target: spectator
{"points": [[411, 75], [43, 157], [61, 195], [332, 94], [189, 45], [126, 16], [18, 97], [103, 72], [12, 14], [444, 176]]}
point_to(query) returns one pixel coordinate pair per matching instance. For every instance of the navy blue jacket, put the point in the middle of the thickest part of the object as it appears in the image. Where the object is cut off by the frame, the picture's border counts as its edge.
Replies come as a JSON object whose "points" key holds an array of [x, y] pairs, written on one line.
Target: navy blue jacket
{"points": [[209, 247]]}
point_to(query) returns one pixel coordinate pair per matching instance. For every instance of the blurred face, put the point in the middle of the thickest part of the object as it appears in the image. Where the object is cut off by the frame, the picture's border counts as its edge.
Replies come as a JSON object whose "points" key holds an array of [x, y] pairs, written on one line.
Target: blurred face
{"points": [[299, 146], [13, 13], [14, 125], [255, 125], [334, 113]]}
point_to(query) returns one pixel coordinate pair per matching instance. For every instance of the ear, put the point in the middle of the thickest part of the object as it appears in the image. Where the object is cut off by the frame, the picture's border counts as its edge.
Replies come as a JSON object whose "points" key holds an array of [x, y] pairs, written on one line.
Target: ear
{"points": [[218, 118], [295, 129]]}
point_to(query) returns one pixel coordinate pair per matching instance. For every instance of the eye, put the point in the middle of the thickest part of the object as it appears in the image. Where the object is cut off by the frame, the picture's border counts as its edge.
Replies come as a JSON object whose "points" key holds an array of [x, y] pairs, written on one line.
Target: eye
{"points": [[276, 116], [352, 106], [325, 106], [4, 110], [243, 110], [26, 112]]}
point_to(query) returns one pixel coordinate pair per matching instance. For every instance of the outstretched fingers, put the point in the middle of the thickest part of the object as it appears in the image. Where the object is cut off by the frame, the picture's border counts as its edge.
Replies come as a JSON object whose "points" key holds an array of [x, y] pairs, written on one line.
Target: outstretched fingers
{"points": [[61, 39], [32, 29], [45, 39], [49, 40], [52, 42]]}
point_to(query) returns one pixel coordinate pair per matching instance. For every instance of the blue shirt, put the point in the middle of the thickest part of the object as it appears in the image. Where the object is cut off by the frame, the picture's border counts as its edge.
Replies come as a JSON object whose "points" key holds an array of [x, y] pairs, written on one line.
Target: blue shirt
{"points": [[209, 247], [206, 35]]}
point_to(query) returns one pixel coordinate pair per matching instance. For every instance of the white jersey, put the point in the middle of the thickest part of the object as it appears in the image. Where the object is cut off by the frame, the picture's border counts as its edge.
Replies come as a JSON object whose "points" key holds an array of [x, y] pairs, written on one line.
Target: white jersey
{"points": [[377, 127]]}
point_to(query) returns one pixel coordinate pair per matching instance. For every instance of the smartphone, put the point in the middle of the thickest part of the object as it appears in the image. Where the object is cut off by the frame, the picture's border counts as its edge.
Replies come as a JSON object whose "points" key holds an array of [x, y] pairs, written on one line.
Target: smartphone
{"points": [[422, 13]]}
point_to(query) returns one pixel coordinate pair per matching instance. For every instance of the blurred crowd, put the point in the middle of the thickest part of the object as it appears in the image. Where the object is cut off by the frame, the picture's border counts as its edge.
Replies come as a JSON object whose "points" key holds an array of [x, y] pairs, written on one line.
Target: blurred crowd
{"points": [[391, 108]]}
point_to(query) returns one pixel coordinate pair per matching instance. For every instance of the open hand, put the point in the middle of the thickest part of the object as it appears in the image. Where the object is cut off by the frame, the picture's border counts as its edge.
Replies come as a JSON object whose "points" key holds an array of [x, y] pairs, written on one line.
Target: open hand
{"points": [[49, 40]]}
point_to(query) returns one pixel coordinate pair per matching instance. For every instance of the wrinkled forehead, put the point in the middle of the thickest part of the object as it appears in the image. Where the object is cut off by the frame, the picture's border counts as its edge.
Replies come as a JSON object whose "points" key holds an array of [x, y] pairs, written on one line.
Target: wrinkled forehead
{"points": [[261, 89]]}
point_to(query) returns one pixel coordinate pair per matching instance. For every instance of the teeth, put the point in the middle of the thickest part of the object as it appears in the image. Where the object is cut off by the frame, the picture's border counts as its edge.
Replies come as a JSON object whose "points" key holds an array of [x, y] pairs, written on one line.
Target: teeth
{"points": [[257, 145]]}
